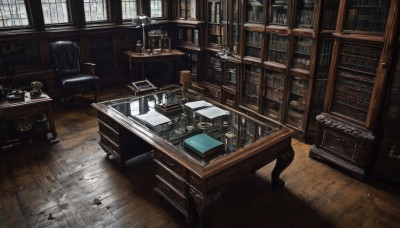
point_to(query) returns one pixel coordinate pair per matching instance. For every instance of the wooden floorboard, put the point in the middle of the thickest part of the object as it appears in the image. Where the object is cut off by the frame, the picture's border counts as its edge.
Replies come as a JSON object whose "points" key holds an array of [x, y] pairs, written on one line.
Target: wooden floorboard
{"points": [[55, 185]]}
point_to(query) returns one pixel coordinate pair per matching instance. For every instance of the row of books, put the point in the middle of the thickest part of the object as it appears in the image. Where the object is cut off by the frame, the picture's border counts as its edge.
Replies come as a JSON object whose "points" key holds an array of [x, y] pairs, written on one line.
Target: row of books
{"points": [[324, 59], [350, 111], [214, 12], [255, 14], [274, 94], [189, 35], [330, 12], [369, 2], [252, 77], [275, 79], [303, 45], [254, 52], [372, 20], [299, 87], [361, 52], [253, 39], [357, 64], [302, 62], [277, 42], [278, 15], [277, 57], [353, 76], [305, 18], [358, 97], [216, 30]]}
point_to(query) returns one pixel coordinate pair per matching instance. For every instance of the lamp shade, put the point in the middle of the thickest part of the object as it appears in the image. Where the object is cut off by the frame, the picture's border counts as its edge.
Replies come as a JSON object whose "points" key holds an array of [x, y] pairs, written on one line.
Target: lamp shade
{"points": [[185, 76], [141, 20]]}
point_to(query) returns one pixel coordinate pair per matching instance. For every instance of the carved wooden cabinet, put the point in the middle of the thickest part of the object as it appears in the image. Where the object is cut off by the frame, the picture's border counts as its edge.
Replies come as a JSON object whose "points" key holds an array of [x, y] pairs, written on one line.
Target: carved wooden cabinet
{"points": [[348, 127]]}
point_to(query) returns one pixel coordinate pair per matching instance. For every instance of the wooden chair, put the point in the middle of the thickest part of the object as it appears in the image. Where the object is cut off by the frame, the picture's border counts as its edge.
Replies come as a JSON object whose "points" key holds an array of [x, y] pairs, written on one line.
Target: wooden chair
{"points": [[71, 72]]}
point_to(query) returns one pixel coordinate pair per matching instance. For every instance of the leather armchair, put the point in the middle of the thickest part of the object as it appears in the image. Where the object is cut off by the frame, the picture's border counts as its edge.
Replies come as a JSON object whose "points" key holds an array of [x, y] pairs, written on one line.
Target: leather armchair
{"points": [[71, 72]]}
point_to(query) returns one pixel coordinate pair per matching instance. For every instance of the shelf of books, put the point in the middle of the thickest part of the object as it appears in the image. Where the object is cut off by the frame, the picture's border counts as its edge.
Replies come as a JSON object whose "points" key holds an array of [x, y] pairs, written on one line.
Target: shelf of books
{"points": [[301, 53], [273, 94], [276, 50], [187, 9], [329, 14], [215, 27], [366, 16], [278, 12], [253, 44], [354, 80], [297, 101], [304, 14], [251, 86], [255, 11], [233, 30]]}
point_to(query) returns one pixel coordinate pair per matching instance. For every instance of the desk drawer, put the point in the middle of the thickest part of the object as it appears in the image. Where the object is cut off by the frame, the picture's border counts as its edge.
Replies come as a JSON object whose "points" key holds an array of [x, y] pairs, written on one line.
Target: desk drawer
{"points": [[108, 121], [109, 132], [109, 145], [170, 164], [169, 177], [168, 192]]}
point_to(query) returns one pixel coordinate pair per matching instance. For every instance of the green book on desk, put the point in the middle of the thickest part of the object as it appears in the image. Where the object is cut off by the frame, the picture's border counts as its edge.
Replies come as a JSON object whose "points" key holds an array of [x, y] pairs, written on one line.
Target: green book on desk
{"points": [[203, 145]]}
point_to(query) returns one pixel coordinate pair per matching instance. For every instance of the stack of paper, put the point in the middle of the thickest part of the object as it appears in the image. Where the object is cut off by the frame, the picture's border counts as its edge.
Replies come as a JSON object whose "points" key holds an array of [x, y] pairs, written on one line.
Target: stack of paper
{"points": [[154, 118], [198, 104], [212, 112]]}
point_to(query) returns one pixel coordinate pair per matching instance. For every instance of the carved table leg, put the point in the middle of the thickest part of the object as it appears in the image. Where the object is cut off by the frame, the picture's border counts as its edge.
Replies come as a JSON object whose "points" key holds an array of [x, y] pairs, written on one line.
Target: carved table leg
{"points": [[203, 202], [282, 162]]}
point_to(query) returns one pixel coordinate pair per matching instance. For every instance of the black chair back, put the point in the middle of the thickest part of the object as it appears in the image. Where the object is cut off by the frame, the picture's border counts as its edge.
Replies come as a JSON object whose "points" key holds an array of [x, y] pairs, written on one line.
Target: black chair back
{"points": [[67, 58]]}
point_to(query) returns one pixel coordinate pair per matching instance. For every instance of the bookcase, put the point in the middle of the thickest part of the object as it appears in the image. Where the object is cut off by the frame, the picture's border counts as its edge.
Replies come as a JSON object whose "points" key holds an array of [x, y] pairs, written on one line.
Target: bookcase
{"points": [[387, 165], [347, 132], [215, 30], [251, 86]]}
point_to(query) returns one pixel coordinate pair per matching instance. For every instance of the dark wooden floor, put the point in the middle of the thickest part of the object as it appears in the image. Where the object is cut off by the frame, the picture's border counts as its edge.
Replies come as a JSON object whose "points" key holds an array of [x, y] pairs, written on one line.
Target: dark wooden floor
{"points": [[56, 185]]}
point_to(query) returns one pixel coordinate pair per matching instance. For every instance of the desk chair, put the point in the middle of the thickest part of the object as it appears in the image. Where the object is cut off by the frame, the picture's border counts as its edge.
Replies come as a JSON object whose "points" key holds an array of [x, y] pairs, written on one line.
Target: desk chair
{"points": [[70, 71]]}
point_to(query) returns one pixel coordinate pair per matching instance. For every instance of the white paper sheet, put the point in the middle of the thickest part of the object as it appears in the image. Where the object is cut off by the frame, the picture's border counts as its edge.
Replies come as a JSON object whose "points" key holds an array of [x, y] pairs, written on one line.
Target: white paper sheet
{"points": [[198, 104], [212, 112], [154, 118]]}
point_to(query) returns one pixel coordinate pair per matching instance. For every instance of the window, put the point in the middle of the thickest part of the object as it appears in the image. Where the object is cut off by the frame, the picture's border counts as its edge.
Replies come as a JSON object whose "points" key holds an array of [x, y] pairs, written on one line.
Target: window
{"points": [[55, 11], [95, 10], [13, 13], [156, 9], [129, 9]]}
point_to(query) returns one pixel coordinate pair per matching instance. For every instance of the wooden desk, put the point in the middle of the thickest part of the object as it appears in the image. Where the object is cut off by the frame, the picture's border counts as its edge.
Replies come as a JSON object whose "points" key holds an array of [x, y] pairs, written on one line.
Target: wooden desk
{"points": [[10, 111], [187, 181], [173, 56]]}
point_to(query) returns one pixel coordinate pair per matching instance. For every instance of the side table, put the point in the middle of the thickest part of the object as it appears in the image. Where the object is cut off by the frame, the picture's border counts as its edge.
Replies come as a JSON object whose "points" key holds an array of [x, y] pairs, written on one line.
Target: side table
{"points": [[11, 111]]}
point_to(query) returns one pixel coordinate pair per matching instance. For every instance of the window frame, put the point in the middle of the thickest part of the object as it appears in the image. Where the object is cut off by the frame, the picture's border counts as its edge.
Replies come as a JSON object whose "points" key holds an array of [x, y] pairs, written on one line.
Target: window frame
{"points": [[99, 22], [70, 16], [30, 25], [163, 9]]}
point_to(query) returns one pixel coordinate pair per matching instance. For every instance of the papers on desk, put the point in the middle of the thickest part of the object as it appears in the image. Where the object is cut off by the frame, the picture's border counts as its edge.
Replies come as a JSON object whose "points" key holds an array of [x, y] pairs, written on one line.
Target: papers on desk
{"points": [[198, 104], [212, 112], [154, 118]]}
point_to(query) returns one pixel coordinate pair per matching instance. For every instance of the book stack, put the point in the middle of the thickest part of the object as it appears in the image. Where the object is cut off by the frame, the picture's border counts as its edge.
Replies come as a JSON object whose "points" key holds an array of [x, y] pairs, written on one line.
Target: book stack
{"points": [[203, 145]]}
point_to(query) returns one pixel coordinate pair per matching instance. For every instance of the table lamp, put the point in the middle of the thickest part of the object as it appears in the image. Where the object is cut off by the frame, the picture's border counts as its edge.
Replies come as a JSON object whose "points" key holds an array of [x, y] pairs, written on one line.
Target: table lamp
{"points": [[185, 79], [142, 20]]}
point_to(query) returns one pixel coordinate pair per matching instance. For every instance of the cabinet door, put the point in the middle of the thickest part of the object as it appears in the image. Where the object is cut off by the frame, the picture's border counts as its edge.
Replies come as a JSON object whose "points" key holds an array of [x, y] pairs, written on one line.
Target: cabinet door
{"points": [[255, 11], [329, 14], [278, 12], [301, 53], [215, 27], [253, 41], [304, 14], [366, 16], [251, 86], [214, 74], [297, 102], [233, 26], [187, 9], [273, 94], [354, 81], [276, 53]]}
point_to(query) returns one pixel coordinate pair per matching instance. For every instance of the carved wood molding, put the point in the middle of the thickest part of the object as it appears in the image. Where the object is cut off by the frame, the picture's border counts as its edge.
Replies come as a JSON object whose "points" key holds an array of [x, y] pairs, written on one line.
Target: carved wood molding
{"points": [[345, 127]]}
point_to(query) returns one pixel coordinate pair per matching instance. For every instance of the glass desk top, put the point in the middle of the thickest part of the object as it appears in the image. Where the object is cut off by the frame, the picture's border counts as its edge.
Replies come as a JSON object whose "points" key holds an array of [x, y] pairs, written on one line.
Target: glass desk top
{"points": [[165, 115]]}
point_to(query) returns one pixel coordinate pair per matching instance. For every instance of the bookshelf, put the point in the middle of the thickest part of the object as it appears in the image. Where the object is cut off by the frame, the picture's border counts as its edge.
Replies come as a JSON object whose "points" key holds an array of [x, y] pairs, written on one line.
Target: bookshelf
{"points": [[387, 165], [304, 17], [356, 85]]}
